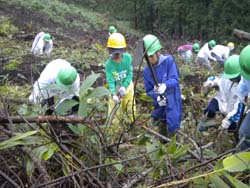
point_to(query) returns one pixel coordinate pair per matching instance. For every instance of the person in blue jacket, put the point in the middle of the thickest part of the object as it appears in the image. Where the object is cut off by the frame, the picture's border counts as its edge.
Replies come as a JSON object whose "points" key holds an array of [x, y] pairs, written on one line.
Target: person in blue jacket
{"points": [[167, 94], [244, 92]]}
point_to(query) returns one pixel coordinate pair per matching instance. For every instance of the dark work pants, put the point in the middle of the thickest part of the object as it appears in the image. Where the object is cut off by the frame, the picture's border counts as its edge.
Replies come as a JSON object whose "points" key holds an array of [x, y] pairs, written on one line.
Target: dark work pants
{"points": [[245, 131], [50, 103], [212, 108]]}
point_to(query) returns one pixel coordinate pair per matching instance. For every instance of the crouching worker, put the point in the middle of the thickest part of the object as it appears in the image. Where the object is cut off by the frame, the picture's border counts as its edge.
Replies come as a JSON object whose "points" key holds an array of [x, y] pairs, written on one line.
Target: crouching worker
{"points": [[186, 51], [43, 44], [119, 74], [244, 91], [226, 100], [167, 94], [58, 78]]}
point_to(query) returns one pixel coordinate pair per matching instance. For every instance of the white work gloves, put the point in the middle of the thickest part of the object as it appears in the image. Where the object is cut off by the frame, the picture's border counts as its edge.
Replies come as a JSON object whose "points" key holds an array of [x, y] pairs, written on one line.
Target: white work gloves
{"points": [[209, 82], [116, 99], [225, 123], [122, 91], [161, 101], [160, 89]]}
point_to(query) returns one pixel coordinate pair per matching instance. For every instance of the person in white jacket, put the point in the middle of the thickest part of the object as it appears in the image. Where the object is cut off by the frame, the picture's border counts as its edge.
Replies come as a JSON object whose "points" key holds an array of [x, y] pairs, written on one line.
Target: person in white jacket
{"points": [[43, 44], [58, 78], [226, 100], [204, 55], [221, 53]]}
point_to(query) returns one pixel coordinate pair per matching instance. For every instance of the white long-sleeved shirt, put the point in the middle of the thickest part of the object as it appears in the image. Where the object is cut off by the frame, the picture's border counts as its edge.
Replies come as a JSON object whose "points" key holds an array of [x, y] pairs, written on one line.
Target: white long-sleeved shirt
{"points": [[227, 97], [48, 77], [205, 53], [221, 51], [39, 46]]}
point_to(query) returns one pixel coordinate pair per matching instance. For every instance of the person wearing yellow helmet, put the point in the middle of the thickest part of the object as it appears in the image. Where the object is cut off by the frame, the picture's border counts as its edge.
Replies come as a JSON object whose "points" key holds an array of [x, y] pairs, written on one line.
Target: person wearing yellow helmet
{"points": [[63, 76], [226, 100], [230, 45], [42, 44], [119, 75], [221, 53], [244, 91], [186, 51], [161, 82], [204, 55]]}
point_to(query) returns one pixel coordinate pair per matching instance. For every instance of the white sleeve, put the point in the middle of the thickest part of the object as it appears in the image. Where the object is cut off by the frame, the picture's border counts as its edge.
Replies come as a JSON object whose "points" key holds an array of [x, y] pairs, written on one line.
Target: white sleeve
{"points": [[234, 115], [242, 90], [37, 40]]}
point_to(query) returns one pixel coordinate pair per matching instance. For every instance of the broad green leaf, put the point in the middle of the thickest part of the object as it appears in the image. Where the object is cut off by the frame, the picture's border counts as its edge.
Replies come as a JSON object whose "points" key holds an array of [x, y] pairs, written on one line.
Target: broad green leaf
{"points": [[237, 162], [88, 82], [15, 143], [29, 167], [199, 183], [10, 142], [145, 98], [151, 147], [210, 153], [77, 129], [172, 145], [55, 87], [82, 112], [181, 151], [74, 129], [237, 183], [217, 181], [39, 151], [49, 153], [99, 92], [65, 106], [118, 167]]}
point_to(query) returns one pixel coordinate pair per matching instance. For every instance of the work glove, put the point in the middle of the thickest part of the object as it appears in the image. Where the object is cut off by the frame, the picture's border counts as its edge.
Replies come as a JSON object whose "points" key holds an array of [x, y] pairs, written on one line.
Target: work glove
{"points": [[209, 82], [122, 91], [225, 123], [116, 99], [160, 89], [162, 101]]}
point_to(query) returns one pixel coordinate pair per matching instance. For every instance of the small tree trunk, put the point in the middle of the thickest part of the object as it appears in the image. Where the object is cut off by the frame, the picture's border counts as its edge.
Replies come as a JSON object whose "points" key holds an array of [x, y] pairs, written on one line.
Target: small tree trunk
{"points": [[241, 34]]}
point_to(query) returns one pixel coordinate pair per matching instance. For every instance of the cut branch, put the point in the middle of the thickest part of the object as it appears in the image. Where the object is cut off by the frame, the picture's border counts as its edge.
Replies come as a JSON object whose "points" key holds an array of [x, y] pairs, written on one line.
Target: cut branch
{"points": [[44, 119], [241, 34]]}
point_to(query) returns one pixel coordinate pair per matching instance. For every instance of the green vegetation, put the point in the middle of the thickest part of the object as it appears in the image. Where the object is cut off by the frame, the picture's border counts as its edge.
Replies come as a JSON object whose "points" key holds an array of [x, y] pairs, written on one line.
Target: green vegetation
{"points": [[6, 27]]}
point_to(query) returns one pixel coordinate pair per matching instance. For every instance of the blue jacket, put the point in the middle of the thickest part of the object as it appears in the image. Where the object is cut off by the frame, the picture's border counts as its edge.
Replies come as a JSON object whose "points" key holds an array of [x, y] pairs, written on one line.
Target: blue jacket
{"points": [[167, 72]]}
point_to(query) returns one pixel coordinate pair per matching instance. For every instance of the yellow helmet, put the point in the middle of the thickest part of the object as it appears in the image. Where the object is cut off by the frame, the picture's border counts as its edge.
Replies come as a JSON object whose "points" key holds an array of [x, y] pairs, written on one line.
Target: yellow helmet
{"points": [[231, 45], [116, 40]]}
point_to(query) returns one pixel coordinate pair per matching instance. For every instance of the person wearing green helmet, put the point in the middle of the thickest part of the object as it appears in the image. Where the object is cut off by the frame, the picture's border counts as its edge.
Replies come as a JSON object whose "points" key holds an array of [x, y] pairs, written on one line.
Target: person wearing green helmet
{"points": [[244, 91], [161, 82], [42, 44], [63, 76], [226, 100], [112, 29], [221, 53], [204, 55], [186, 51]]}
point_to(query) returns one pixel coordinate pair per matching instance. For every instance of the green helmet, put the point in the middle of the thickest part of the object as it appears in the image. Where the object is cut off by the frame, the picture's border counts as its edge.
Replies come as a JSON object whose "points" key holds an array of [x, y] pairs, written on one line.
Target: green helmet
{"points": [[152, 44], [232, 67], [47, 37], [245, 62], [66, 76], [212, 43], [196, 47], [112, 29]]}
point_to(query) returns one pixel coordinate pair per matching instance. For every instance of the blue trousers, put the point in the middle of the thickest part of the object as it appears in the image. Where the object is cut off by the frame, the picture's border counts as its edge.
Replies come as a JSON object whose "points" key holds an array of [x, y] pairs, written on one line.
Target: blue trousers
{"points": [[245, 131], [212, 108]]}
